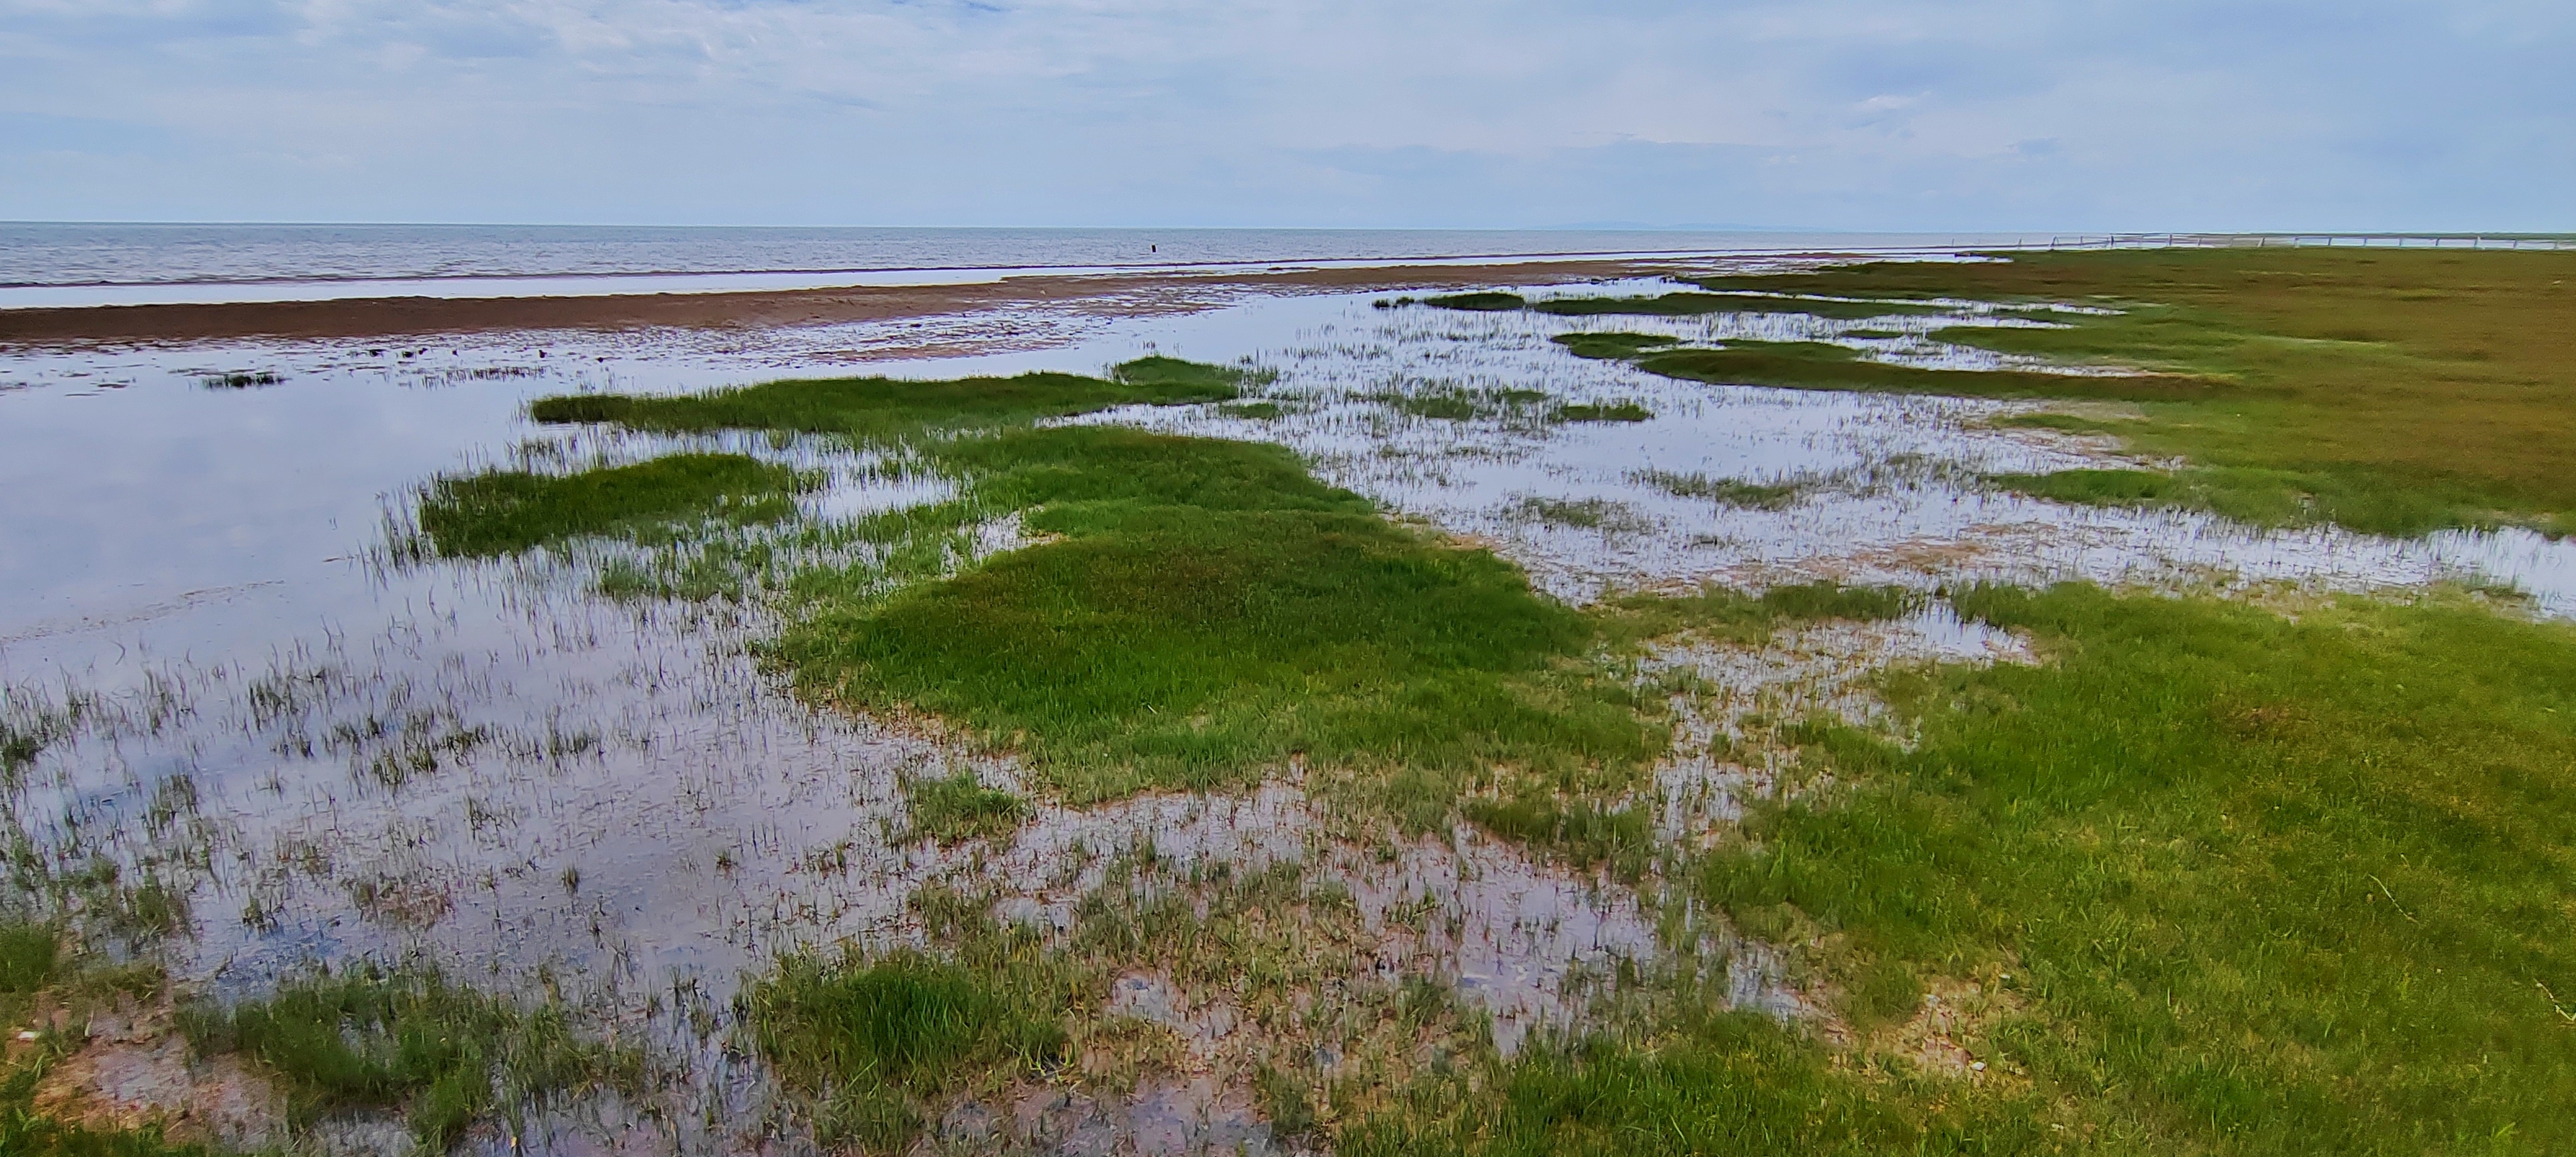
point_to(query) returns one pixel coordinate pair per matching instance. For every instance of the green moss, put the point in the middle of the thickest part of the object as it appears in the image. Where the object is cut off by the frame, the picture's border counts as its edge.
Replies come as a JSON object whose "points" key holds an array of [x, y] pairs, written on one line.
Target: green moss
{"points": [[882, 408], [958, 808], [503, 512], [443, 1054], [881, 1044]]}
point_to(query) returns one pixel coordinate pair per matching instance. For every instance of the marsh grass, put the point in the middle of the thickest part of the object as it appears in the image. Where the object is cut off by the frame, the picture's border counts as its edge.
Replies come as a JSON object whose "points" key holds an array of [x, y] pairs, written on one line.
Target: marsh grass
{"points": [[240, 379], [2263, 884], [1601, 412], [1205, 610], [1607, 515], [952, 809], [1452, 404], [1701, 304], [1808, 365], [877, 409], [882, 1044], [1611, 345], [1723, 491], [2387, 391], [497, 513], [441, 1053], [1493, 301]]}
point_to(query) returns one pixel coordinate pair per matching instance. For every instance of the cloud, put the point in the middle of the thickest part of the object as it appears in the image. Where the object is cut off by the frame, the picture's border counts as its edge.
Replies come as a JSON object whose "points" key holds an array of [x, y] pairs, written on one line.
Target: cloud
{"points": [[1851, 113]]}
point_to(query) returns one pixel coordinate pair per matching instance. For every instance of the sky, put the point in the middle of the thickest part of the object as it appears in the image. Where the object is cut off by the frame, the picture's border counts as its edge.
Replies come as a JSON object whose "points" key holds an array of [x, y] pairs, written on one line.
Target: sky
{"points": [[1810, 114]]}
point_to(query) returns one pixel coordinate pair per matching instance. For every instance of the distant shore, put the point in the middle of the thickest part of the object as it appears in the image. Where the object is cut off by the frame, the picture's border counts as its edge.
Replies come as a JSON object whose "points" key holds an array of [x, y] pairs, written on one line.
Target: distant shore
{"points": [[396, 317]]}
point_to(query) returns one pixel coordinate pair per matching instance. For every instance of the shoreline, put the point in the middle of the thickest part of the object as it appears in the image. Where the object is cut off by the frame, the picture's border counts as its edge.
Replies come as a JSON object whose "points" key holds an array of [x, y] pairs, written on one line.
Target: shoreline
{"points": [[391, 317]]}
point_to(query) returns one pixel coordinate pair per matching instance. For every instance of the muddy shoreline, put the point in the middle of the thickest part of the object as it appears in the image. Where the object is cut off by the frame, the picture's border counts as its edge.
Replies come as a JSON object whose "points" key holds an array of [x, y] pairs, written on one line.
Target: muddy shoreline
{"points": [[394, 317]]}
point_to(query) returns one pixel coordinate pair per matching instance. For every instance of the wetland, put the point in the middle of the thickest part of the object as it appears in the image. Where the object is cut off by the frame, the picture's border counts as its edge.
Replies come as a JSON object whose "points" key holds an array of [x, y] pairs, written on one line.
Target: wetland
{"points": [[2109, 702]]}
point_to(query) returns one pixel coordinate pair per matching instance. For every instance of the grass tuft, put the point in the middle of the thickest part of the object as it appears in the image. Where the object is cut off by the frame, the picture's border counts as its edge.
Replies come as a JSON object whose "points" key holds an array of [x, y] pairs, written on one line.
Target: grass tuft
{"points": [[957, 808], [886, 408], [367, 1038], [503, 512], [1723, 491], [882, 1043]]}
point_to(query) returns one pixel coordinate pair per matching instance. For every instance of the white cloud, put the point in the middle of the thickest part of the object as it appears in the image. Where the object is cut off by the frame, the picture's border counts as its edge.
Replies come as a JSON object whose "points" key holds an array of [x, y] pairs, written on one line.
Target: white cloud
{"points": [[1981, 113]]}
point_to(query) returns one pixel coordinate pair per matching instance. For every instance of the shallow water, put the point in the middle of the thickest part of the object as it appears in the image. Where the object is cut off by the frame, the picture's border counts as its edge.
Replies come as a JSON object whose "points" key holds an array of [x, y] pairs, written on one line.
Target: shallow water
{"points": [[330, 753]]}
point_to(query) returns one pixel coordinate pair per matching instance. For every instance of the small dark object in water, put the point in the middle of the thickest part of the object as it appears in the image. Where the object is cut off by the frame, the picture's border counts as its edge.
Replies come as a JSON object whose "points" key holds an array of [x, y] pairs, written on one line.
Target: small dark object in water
{"points": [[240, 379]]}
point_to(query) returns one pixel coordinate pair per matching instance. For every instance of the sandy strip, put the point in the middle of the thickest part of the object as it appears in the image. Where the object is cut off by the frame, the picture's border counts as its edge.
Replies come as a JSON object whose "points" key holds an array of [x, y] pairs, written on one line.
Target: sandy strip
{"points": [[409, 316]]}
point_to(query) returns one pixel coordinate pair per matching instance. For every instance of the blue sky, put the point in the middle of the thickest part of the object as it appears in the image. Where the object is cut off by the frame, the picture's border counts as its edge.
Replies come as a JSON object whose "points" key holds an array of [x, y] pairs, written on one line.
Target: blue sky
{"points": [[1848, 114]]}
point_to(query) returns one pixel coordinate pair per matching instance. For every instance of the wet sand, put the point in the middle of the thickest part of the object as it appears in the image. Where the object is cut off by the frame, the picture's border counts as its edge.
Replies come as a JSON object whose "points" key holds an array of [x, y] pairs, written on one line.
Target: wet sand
{"points": [[395, 317]]}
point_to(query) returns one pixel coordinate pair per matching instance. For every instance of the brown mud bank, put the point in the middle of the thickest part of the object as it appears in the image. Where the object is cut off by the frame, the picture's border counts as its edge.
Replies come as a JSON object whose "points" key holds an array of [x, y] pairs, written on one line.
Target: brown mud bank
{"points": [[390, 317]]}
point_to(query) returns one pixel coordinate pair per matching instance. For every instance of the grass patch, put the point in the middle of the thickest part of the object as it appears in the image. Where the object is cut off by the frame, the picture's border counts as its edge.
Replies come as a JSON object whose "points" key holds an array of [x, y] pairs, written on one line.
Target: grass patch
{"points": [[1723, 491], [1209, 610], [2390, 391], [883, 1044], [1611, 345], [1484, 302], [503, 512], [441, 1053], [2093, 487], [957, 808], [240, 379], [29, 954], [1718, 1085], [1255, 411], [1603, 514], [2265, 885], [1602, 412], [884, 408], [1581, 832], [1457, 405], [1808, 365], [1700, 304]]}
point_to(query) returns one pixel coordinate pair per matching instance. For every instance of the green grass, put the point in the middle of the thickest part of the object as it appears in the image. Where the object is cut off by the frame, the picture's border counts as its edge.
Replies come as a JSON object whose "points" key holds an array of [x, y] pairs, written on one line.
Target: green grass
{"points": [[1461, 405], [29, 954], [2264, 884], [1485, 302], [957, 808], [1723, 491], [1209, 610], [887, 408], [1823, 366], [1602, 412], [503, 512], [2093, 487], [882, 1044], [1578, 831], [442, 1054], [2389, 391], [1255, 411], [1699, 304], [1580, 513], [1611, 345], [1715, 1085]]}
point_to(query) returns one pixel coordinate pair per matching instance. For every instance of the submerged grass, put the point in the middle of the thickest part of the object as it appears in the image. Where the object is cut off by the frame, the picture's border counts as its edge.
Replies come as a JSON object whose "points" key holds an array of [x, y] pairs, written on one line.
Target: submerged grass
{"points": [[2391, 391], [1723, 491], [1811, 365], [441, 1053], [883, 408], [503, 512]]}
